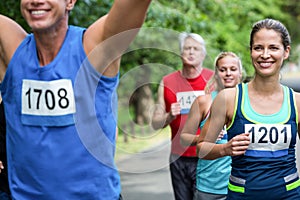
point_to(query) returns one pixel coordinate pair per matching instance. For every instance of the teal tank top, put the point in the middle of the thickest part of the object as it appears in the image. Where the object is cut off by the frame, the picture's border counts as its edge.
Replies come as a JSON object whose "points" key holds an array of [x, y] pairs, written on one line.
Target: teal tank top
{"points": [[213, 175]]}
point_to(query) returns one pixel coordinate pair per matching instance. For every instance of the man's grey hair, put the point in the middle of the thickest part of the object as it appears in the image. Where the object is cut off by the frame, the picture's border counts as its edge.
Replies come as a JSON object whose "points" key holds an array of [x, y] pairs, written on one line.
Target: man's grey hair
{"points": [[184, 35]]}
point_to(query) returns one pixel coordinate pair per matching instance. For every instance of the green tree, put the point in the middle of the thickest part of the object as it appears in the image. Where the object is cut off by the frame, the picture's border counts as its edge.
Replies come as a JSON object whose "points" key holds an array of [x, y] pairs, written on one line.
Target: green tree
{"points": [[224, 24]]}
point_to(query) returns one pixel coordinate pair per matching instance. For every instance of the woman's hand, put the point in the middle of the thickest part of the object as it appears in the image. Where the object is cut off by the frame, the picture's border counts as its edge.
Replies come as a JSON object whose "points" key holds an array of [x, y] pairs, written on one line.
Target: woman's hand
{"points": [[238, 145]]}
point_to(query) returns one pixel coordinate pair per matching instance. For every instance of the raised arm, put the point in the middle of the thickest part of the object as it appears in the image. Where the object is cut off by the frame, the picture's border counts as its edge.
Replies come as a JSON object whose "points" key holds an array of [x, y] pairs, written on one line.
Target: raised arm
{"points": [[114, 32], [11, 35], [198, 112]]}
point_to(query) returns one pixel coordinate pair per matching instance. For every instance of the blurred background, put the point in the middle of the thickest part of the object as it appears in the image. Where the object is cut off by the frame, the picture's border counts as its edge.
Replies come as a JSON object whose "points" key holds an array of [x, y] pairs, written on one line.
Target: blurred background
{"points": [[225, 26]]}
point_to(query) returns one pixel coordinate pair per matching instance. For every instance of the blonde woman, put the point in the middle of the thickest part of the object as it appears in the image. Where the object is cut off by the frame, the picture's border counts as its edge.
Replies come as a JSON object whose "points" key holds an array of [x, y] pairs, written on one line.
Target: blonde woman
{"points": [[212, 176]]}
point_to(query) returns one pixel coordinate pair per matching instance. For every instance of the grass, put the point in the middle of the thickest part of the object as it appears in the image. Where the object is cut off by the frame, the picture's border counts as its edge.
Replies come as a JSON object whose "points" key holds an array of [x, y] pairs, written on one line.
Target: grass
{"points": [[139, 143]]}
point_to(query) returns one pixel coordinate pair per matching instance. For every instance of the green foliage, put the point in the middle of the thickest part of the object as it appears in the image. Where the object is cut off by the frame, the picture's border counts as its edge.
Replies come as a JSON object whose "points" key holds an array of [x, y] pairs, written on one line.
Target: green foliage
{"points": [[224, 24], [12, 9], [86, 12]]}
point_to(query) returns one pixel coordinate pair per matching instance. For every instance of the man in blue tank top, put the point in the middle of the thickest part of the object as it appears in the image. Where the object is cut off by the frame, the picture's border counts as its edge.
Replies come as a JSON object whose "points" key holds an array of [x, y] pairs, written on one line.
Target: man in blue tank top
{"points": [[59, 90]]}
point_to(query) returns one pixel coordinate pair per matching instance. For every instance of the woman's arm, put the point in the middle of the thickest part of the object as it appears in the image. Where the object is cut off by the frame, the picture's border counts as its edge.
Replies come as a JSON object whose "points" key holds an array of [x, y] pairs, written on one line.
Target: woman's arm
{"points": [[221, 113], [198, 112]]}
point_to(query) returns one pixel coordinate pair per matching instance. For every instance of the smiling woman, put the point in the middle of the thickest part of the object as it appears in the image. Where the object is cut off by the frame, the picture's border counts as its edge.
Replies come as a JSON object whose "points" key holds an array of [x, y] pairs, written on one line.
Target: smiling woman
{"points": [[262, 123]]}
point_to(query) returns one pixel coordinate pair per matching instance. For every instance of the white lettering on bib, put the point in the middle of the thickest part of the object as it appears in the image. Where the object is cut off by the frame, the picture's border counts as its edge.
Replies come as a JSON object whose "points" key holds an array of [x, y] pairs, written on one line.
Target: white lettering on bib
{"points": [[48, 98], [268, 140], [186, 99]]}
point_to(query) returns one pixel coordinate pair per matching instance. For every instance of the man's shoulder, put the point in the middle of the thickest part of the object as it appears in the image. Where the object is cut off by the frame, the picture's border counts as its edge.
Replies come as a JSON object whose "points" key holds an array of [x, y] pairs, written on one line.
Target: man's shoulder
{"points": [[172, 75], [76, 28], [207, 71]]}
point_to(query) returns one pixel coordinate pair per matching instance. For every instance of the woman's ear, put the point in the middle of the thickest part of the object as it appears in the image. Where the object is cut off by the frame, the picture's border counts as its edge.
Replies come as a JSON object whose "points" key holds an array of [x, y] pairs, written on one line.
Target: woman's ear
{"points": [[287, 52]]}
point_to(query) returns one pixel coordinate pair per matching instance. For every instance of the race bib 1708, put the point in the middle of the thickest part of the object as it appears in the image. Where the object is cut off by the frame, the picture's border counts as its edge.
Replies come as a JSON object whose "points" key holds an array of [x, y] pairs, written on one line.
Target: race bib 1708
{"points": [[268, 140], [48, 98], [186, 99]]}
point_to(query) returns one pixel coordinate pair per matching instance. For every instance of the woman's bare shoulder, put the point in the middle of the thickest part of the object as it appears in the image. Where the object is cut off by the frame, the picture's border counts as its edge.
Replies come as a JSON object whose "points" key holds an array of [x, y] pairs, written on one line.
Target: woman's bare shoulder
{"points": [[203, 99]]}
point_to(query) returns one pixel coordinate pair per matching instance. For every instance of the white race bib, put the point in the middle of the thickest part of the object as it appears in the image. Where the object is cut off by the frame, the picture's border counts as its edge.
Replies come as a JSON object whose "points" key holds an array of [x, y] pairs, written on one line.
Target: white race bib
{"points": [[48, 98], [186, 99], [268, 140]]}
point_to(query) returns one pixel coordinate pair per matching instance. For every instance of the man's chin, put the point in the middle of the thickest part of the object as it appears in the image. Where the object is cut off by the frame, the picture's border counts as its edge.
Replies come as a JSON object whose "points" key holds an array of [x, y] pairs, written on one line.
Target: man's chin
{"points": [[191, 65]]}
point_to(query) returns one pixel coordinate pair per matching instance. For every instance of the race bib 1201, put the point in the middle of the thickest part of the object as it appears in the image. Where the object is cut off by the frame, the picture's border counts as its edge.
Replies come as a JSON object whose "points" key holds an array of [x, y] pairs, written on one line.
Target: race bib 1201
{"points": [[268, 140]]}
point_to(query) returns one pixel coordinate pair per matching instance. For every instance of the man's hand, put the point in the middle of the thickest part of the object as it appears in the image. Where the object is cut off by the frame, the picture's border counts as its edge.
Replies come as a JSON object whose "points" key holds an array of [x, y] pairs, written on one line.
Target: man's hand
{"points": [[1, 166], [175, 109]]}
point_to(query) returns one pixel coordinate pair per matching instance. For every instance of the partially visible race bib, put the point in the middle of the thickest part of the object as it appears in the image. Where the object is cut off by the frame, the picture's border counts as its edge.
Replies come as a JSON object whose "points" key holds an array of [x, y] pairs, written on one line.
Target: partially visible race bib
{"points": [[268, 140], [186, 99], [47, 102]]}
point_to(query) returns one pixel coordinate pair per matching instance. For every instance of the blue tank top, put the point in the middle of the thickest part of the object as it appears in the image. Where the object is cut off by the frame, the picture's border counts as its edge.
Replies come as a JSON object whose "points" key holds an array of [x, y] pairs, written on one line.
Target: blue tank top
{"points": [[268, 168], [61, 122], [213, 175]]}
